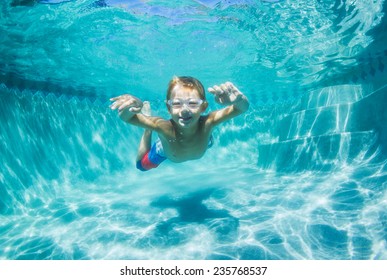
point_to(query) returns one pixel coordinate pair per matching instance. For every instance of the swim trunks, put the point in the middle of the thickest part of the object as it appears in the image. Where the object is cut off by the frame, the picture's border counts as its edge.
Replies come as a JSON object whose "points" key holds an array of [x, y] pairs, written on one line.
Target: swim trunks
{"points": [[156, 155], [152, 158]]}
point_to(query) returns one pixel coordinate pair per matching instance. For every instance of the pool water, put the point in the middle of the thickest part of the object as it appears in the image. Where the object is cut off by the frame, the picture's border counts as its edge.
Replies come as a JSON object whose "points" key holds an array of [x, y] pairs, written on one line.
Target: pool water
{"points": [[301, 175]]}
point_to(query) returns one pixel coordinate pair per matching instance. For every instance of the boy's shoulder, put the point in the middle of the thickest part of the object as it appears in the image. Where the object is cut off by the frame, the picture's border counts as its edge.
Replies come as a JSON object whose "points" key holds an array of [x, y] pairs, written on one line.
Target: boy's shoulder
{"points": [[204, 118], [206, 121]]}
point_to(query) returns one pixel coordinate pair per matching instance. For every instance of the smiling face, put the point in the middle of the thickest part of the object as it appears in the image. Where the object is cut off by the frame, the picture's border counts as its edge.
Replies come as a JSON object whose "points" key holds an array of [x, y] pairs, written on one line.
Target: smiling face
{"points": [[187, 114]]}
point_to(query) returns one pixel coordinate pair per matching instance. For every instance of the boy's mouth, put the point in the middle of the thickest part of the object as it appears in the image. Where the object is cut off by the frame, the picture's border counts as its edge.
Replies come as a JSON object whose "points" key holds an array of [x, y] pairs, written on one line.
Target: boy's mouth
{"points": [[185, 119]]}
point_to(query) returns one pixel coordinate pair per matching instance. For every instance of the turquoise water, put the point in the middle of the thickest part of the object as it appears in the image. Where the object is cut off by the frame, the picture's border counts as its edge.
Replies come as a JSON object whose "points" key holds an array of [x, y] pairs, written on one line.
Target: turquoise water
{"points": [[301, 175]]}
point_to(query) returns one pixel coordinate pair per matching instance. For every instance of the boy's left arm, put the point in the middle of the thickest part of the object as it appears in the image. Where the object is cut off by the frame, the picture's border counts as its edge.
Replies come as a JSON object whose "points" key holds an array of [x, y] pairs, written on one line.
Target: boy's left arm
{"points": [[228, 94]]}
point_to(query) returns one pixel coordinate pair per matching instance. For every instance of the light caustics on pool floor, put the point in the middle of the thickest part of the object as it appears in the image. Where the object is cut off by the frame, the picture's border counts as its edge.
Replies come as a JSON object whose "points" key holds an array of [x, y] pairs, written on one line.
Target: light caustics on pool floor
{"points": [[79, 196], [251, 215]]}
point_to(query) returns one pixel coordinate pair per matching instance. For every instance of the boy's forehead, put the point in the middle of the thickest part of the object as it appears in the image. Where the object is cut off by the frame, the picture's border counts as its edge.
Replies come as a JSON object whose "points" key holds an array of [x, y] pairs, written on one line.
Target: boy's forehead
{"points": [[183, 92]]}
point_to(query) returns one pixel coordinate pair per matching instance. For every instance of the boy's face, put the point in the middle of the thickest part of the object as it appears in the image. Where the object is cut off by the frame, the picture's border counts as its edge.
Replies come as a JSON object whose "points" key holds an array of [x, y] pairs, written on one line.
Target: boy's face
{"points": [[189, 106]]}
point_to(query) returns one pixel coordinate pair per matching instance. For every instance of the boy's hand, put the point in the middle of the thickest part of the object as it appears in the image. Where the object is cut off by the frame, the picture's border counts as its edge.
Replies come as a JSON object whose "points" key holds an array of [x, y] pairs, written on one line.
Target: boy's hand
{"points": [[226, 94], [127, 105]]}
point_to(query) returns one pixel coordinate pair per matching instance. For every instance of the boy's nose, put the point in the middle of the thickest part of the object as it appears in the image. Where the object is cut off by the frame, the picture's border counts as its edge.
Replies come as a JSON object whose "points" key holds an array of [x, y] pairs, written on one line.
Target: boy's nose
{"points": [[185, 108], [185, 112]]}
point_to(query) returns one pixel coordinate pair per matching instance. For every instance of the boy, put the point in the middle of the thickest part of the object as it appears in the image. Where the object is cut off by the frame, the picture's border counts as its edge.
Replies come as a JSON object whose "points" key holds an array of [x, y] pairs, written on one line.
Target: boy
{"points": [[187, 135]]}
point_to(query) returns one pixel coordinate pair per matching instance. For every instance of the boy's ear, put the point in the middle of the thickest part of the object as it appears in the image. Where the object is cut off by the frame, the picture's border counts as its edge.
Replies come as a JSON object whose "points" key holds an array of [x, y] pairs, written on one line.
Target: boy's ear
{"points": [[168, 107], [204, 106]]}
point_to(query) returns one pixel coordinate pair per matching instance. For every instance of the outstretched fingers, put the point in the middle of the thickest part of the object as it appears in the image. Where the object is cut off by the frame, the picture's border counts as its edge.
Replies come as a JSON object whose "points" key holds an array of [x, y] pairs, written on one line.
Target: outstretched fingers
{"points": [[214, 89], [115, 98], [115, 104], [225, 88], [218, 91], [226, 93], [121, 102], [117, 101], [125, 103]]}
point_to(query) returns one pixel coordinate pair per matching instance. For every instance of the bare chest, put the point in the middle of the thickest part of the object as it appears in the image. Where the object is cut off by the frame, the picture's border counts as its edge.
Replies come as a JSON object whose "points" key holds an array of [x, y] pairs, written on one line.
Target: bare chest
{"points": [[180, 149]]}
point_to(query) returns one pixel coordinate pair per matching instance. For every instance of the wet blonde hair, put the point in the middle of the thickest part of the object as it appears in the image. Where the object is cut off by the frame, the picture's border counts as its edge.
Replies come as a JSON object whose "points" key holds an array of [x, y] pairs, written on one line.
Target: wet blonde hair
{"points": [[187, 82]]}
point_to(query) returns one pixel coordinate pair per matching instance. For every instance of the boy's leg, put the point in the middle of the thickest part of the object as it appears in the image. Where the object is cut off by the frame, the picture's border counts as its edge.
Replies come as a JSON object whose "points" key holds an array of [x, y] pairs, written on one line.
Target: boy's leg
{"points": [[146, 139]]}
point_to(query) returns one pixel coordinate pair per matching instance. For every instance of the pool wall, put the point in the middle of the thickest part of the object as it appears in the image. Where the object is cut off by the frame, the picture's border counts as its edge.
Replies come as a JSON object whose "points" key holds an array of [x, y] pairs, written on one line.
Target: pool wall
{"points": [[327, 128]]}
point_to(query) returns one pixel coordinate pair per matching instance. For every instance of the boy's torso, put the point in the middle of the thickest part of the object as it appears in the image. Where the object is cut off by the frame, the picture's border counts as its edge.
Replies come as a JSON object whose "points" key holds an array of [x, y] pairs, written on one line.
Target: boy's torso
{"points": [[178, 148]]}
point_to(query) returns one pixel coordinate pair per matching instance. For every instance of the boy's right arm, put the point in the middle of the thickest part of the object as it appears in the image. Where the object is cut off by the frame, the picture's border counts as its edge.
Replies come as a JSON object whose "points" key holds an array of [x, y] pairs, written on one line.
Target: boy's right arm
{"points": [[129, 109], [127, 105]]}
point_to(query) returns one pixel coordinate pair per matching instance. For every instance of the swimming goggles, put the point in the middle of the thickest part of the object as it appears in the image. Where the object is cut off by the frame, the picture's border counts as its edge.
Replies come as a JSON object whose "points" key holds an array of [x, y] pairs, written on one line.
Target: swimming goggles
{"points": [[192, 103]]}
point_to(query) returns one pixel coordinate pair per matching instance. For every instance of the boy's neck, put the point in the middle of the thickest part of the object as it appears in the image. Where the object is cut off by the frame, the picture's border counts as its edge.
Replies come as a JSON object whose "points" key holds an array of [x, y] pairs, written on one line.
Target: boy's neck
{"points": [[186, 132]]}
